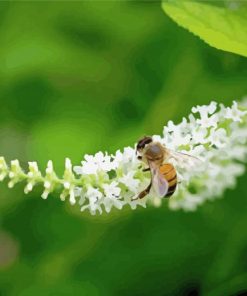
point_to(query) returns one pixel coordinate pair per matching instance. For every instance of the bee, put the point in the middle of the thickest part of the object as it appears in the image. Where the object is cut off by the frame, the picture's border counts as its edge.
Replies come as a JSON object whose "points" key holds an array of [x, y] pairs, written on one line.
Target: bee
{"points": [[163, 174]]}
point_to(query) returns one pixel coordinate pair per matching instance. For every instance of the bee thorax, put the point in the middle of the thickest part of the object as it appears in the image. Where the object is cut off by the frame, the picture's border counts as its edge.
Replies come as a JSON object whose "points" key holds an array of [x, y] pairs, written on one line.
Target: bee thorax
{"points": [[154, 152]]}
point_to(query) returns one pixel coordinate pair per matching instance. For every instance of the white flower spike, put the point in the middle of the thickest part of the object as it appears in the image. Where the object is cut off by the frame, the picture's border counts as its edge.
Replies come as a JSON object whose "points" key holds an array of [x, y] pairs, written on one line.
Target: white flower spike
{"points": [[215, 134]]}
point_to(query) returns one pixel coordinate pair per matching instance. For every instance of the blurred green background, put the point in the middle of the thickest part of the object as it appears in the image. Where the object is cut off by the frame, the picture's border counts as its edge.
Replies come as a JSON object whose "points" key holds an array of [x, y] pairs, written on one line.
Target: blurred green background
{"points": [[79, 77]]}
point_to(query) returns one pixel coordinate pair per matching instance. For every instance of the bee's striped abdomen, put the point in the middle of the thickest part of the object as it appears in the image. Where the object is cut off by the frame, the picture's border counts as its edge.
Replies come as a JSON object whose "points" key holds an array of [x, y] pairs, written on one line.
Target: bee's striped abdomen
{"points": [[170, 174]]}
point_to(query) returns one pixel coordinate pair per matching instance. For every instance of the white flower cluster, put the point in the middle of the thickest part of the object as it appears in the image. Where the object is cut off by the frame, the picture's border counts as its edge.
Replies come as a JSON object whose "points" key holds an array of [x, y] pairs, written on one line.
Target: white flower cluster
{"points": [[110, 181], [215, 134], [218, 136]]}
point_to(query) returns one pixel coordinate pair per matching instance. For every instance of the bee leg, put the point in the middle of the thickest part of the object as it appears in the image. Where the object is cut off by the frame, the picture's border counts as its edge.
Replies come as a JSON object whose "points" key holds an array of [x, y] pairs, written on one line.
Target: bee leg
{"points": [[146, 170], [143, 193]]}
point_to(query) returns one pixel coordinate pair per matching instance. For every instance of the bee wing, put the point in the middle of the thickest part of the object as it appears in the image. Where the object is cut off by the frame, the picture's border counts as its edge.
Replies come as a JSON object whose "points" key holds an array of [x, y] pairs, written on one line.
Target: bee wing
{"points": [[159, 183], [183, 157]]}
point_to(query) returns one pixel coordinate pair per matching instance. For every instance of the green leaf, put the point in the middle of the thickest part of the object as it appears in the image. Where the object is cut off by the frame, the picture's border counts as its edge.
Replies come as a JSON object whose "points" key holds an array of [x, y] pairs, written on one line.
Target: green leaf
{"points": [[220, 27]]}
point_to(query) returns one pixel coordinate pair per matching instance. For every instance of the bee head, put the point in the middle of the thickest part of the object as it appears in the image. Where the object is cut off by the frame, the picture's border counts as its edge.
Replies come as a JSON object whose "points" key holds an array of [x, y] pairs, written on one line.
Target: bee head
{"points": [[143, 142]]}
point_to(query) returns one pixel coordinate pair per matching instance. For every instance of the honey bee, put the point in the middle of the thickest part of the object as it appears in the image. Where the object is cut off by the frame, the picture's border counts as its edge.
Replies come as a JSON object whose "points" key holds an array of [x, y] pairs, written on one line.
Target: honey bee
{"points": [[163, 174]]}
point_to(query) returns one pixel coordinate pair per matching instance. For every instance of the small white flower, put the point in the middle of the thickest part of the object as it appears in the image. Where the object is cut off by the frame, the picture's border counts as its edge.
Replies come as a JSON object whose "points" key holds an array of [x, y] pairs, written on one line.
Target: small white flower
{"points": [[33, 176], [49, 169], [112, 189], [50, 180], [207, 122], [206, 118], [94, 196], [11, 175], [112, 194], [199, 135], [130, 181], [68, 183], [93, 164], [16, 174], [205, 110], [234, 113], [126, 161], [78, 170], [218, 137], [47, 184]]}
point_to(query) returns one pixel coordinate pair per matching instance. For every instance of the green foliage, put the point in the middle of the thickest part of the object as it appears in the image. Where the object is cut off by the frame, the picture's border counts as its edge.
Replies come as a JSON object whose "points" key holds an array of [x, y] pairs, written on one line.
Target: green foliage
{"points": [[220, 27]]}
